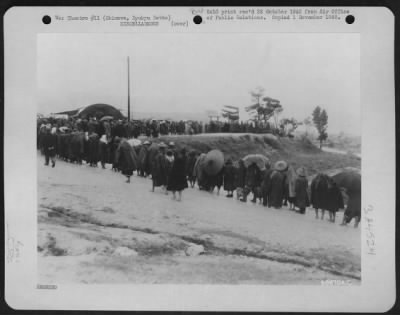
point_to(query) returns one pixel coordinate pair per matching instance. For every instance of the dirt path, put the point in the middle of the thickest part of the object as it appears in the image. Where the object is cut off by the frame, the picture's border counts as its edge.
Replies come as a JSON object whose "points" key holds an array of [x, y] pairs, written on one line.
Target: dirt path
{"points": [[95, 228]]}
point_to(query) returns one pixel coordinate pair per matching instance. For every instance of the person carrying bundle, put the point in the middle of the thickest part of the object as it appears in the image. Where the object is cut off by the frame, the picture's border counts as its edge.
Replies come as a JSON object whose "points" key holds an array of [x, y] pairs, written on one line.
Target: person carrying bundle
{"points": [[126, 159]]}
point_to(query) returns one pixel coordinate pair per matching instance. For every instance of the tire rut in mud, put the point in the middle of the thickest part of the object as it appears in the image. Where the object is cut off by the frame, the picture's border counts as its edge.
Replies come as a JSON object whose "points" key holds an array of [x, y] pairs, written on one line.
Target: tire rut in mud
{"points": [[210, 248]]}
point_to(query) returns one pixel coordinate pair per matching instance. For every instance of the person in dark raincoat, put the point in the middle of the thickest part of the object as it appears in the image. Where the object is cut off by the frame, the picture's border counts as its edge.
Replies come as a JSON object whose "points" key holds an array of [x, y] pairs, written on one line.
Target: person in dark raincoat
{"points": [[252, 182], [275, 197], [169, 161], [190, 162], [49, 143], [353, 209], [77, 146], [319, 194], [335, 199], [93, 149], [285, 188], [177, 180], [159, 169], [229, 178], [126, 159], [113, 152], [240, 180], [212, 181], [301, 191], [266, 184], [144, 168]]}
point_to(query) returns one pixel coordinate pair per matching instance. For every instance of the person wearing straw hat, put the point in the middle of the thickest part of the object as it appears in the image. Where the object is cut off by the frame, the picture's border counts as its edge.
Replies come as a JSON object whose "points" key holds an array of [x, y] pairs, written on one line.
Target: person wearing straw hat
{"points": [[301, 186], [159, 169]]}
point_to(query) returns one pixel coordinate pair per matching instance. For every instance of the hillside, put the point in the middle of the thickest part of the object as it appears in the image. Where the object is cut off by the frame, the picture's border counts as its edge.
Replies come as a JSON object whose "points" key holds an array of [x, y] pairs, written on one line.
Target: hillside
{"points": [[348, 143], [297, 152]]}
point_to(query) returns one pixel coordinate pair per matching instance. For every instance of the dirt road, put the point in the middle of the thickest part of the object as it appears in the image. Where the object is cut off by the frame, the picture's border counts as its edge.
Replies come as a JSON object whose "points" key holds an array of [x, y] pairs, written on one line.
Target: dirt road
{"points": [[95, 228]]}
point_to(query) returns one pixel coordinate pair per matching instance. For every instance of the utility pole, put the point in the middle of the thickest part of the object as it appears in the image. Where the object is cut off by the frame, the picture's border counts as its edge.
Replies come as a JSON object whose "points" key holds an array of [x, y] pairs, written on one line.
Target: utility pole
{"points": [[129, 94]]}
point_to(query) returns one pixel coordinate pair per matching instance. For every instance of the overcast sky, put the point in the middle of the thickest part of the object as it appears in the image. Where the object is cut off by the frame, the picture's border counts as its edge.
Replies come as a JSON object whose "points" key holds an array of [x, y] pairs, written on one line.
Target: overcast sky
{"points": [[198, 72]]}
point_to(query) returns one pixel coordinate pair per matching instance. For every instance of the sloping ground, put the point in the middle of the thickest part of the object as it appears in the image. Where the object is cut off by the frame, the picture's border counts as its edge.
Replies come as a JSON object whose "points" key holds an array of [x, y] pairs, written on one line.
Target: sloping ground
{"points": [[95, 228], [297, 152]]}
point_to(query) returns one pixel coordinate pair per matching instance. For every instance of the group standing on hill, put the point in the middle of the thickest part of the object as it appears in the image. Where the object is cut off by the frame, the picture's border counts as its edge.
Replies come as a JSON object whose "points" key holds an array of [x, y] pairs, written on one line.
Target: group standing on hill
{"points": [[171, 169]]}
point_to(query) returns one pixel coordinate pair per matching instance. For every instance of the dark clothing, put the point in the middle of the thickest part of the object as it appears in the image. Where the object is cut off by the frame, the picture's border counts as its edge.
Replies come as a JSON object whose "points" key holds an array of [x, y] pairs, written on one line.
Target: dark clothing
{"points": [[159, 170], [213, 181], [240, 176], [253, 176], [100, 130], [119, 131], [143, 167], [77, 146], [353, 208], [92, 126], [319, 192], [276, 189], [301, 200], [266, 186], [126, 158], [177, 179], [229, 177], [49, 144], [93, 149], [335, 199], [190, 162], [169, 161]]}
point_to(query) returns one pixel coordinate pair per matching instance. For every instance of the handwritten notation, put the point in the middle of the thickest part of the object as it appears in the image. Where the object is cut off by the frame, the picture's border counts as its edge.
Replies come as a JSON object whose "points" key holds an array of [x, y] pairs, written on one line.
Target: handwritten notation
{"points": [[370, 233], [13, 247]]}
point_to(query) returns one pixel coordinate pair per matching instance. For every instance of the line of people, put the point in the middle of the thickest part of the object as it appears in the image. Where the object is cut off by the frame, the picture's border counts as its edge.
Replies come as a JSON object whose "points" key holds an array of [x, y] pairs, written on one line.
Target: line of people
{"points": [[172, 169]]}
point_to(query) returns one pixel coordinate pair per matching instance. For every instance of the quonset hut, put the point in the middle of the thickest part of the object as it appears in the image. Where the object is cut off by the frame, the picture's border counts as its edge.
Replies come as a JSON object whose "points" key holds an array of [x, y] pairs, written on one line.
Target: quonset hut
{"points": [[94, 110]]}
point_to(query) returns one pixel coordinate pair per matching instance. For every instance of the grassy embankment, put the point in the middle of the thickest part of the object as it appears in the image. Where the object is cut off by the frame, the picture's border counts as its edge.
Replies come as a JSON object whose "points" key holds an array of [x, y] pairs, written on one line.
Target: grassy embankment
{"points": [[297, 152]]}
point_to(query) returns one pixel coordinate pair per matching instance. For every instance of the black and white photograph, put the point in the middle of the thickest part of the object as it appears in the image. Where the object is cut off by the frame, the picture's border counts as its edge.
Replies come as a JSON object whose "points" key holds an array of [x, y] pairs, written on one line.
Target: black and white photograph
{"points": [[199, 159]]}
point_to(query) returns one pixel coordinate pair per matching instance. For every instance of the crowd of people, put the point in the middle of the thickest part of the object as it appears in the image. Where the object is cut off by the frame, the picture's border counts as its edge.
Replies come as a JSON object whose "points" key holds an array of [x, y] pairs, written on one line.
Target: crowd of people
{"points": [[174, 169], [122, 127], [155, 128]]}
